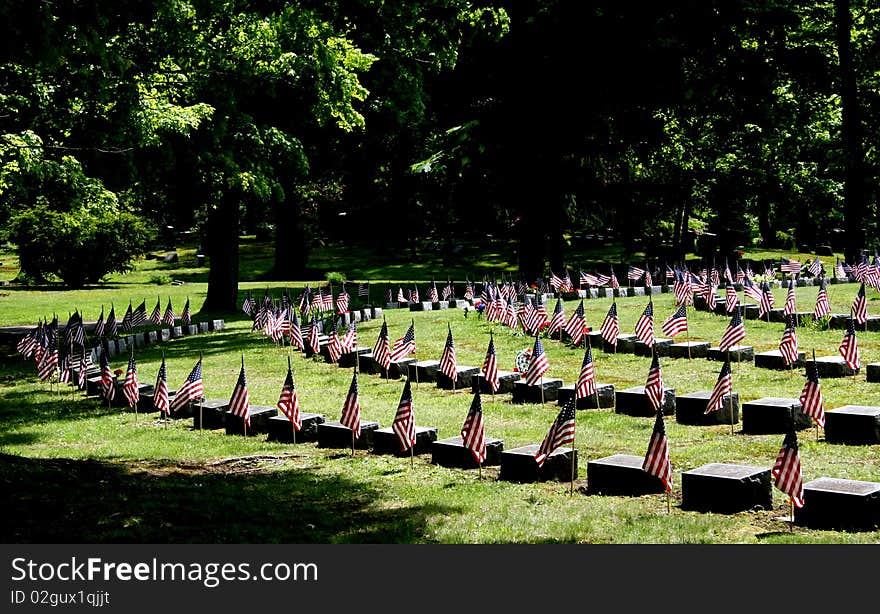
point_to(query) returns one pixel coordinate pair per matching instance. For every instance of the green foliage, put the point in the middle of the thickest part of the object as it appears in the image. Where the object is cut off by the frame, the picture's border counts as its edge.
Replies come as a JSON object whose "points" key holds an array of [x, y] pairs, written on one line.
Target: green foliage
{"points": [[335, 277], [160, 279]]}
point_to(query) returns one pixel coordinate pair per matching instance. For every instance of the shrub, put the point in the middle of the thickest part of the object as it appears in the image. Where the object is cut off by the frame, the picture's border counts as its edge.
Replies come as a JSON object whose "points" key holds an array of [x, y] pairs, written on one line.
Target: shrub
{"points": [[335, 277]]}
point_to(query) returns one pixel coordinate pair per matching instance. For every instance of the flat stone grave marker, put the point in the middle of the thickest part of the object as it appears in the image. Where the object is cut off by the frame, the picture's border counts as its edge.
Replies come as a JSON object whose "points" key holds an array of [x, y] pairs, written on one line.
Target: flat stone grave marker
{"points": [[465, 378], [594, 338], [750, 312], [177, 332], [525, 393], [832, 366], [726, 489], [662, 345], [873, 372], [637, 291], [690, 408], [365, 315], [377, 313], [192, 329], [145, 401], [424, 370], [606, 397], [840, 505], [119, 399], [385, 441], [139, 340], [609, 292], [633, 402], [281, 429], [777, 315], [423, 306], [853, 424], [698, 349], [773, 415], [259, 416], [738, 353], [212, 416], [93, 386], [204, 327], [626, 344], [152, 337], [654, 290], [369, 364], [399, 369], [519, 465], [440, 305], [873, 324], [701, 304], [335, 435], [217, 325], [506, 380], [452, 453], [350, 359], [392, 305], [773, 360], [839, 320], [622, 475]]}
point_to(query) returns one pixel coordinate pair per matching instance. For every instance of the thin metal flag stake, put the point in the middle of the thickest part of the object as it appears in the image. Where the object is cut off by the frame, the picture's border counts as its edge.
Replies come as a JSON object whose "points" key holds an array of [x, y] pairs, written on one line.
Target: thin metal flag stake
{"points": [[201, 411], [292, 424], [817, 369], [731, 394], [573, 453], [687, 337], [412, 462]]}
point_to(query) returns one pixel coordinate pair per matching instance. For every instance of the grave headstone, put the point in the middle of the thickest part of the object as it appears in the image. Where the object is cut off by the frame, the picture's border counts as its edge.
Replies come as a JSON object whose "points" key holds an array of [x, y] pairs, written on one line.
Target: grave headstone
{"points": [[204, 327], [738, 353], [637, 291], [626, 343], [259, 416], [424, 370], [873, 372], [465, 378], [506, 380], [773, 360], [281, 429], [177, 332], [832, 366], [217, 325], [840, 505], [525, 393], [350, 359], [385, 441], [152, 337], [440, 305], [400, 368], [336, 435], [634, 402], [139, 340], [519, 465], [192, 329], [621, 475], [377, 313], [212, 415], [722, 488], [146, 401], [606, 397], [690, 408], [853, 424], [452, 453], [773, 415], [662, 347], [689, 349], [750, 312]]}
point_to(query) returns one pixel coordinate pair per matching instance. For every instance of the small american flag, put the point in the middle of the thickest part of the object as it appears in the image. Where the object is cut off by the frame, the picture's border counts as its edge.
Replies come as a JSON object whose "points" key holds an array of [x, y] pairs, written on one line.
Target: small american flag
{"points": [[169, 316], [130, 386], [751, 290], [586, 385], [860, 306], [404, 425], [657, 457], [610, 326], [107, 383], [288, 403], [839, 270], [654, 384], [469, 291], [740, 275], [538, 365], [126, 324], [448, 291], [334, 345], [240, 402], [110, 328], [787, 470], [790, 307], [766, 303], [156, 316], [48, 364], [723, 386], [160, 396], [296, 337], [249, 306], [731, 298], [561, 433], [415, 295], [736, 332], [574, 328], [473, 434], [99, 325], [788, 346], [342, 301], [634, 273], [314, 343], [349, 341], [823, 308], [676, 323], [191, 390], [433, 296], [790, 266], [139, 315], [556, 282], [382, 349], [849, 347], [364, 290], [351, 410], [400, 296], [815, 267], [811, 396], [614, 283], [558, 319], [490, 365], [447, 359], [645, 326], [186, 316], [406, 345]]}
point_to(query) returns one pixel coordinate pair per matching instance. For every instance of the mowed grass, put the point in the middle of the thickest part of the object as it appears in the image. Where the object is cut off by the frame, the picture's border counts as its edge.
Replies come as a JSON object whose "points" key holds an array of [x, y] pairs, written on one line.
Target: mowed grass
{"points": [[76, 471]]}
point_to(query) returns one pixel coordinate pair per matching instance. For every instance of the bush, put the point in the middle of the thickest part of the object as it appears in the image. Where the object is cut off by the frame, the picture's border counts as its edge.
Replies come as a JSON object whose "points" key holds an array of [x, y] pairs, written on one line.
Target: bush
{"points": [[335, 277], [80, 246]]}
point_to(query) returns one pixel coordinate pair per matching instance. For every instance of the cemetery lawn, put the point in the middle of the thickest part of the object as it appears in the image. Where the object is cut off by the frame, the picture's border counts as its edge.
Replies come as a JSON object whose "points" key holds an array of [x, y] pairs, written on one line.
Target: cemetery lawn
{"points": [[74, 471]]}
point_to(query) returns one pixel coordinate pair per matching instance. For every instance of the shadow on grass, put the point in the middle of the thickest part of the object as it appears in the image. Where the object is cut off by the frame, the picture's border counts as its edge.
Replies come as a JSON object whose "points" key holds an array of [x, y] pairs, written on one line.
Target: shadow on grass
{"points": [[72, 501]]}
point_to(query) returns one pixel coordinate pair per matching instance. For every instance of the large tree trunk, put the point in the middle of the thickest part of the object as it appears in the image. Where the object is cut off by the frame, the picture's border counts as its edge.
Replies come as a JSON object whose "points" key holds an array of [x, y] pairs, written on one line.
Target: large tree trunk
{"points": [[291, 249], [222, 239], [852, 137]]}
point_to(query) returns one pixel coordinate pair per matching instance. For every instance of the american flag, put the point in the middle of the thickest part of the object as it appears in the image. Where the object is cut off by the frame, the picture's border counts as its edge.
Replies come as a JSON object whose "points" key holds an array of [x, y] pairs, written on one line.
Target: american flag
{"points": [[823, 308], [240, 402], [574, 328], [561, 433], [126, 324], [766, 303], [168, 318], [509, 316], [389, 297], [351, 411], [406, 345], [558, 319], [787, 470], [860, 306], [191, 390], [557, 282], [538, 317], [156, 316], [249, 306], [728, 276], [790, 266], [473, 434], [64, 367], [736, 332], [731, 298], [601, 280], [788, 346], [676, 323], [107, 383], [790, 307], [538, 365], [404, 425], [304, 301], [110, 328], [382, 349], [130, 386], [433, 296], [400, 297], [586, 385], [288, 404], [815, 267], [714, 277], [610, 326], [447, 359], [849, 347], [334, 345], [160, 396], [490, 365], [723, 386], [469, 291], [186, 316], [415, 295], [681, 288], [588, 279], [99, 325], [654, 384], [740, 275], [839, 270], [634, 273], [342, 301], [751, 290], [314, 344], [657, 457], [364, 290], [811, 396], [83, 368], [139, 315], [648, 281], [349, 340], [614, 283], [645, 325], [448, 291], [48, 364], [296, 337]]}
